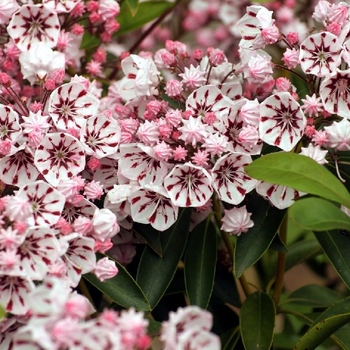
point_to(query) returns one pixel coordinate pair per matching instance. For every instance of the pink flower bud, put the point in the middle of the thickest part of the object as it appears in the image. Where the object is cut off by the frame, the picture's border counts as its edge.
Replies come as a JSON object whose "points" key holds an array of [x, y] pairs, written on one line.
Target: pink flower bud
{"points": [[104, 224], [291, 58], [92, 6], [35, 107], [283, 84], [63, 226], [77, 306], [104, 246], [93, 163], [50, 84], [198, 54], [334, 28], [57, 75], [82, 225], [77, 29], [173, 88], [168, 58], [270, 34], [93, 190], [5, 80], [105, 269], [217, 57], [293, 38]]}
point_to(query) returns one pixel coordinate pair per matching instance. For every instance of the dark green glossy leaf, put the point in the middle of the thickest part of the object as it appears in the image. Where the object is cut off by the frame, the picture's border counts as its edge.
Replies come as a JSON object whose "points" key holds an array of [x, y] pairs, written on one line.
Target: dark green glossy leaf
{"points": [[278, 245], [146, 12], [299, 172], [230, 338], [122, 289], [225, 287], [314, 296], [150, 235], [155, 273], [133, 6], [177, 284], [252, 244], [343, 160], [257, 320], [200, 263], [337, 248], [302, 251], [325, 325], [342, 337], [318, 214]]}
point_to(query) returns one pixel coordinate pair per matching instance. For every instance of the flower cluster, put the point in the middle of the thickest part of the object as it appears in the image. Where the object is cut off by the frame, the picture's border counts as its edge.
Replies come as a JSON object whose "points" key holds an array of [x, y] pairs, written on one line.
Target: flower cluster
{"points": [[80, 161]]}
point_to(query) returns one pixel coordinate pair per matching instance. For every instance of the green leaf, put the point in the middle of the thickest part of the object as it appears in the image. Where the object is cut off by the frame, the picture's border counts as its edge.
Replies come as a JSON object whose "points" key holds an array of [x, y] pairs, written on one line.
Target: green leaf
{"points": [[225, 288], [200, 263], [342, 337], [146, 12], [314, 296], [89, 41], [278, 245], [230, 338], [122, 289], [133, 6], [318, 214], [155, 272], [325, 325], [337, 248], [301, 173], [251, 245], [150, 235], [257, 320], [301, 251]]}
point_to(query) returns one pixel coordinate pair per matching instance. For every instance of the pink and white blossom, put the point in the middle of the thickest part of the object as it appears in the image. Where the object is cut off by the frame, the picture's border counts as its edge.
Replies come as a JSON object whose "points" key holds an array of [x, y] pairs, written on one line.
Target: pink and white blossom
{"points": [[33, 24], [282, 121]]}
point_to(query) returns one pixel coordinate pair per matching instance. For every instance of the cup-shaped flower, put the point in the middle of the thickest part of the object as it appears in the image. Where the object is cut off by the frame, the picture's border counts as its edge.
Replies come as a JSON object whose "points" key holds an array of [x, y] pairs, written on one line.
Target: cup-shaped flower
{"points": [[282, 122], [70, 105], [335, 93], [281, 197], [320, 54], [100, 136], [47, 203], [136, 164], [59, 157], [229, 179], [14, 292], [40, 249], [32, 24], [151, 205], [17, 169], [188, 185]]}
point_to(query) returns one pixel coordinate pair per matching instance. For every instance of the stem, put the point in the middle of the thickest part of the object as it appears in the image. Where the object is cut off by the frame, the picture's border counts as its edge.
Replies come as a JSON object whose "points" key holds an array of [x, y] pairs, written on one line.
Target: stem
{"points": [[281, 264], [292, 71], [298, 314], [229, 245]]}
